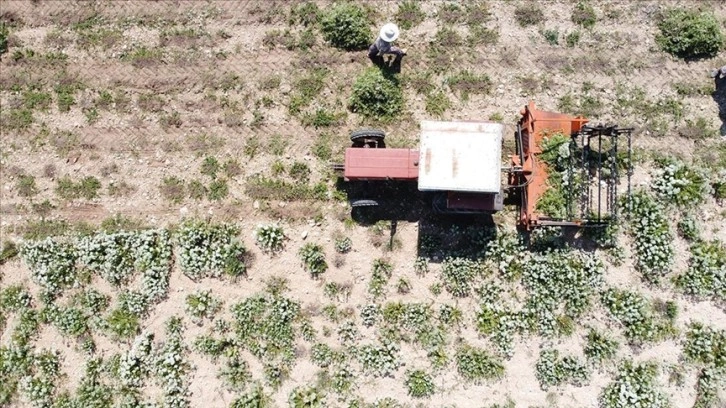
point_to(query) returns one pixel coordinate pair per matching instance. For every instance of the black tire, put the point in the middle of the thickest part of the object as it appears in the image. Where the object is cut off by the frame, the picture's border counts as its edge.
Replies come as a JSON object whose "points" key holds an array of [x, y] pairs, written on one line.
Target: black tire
{"points": [[367, 133], [368, 138]]}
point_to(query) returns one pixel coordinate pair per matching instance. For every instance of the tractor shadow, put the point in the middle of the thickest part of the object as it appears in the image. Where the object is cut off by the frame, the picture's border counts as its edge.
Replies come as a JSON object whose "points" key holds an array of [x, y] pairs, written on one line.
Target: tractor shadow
{"points": [[442, 236], [439, 235]]}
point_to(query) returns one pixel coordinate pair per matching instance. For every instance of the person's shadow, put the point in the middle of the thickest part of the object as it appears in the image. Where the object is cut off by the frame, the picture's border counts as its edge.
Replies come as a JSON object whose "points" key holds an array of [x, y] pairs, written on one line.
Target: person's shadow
{"points": [[719, 96]]}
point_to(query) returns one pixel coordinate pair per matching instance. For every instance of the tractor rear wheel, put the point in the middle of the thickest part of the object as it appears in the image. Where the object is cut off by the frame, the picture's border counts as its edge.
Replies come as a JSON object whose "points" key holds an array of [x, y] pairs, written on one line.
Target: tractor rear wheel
{"points": [[368, 138]]}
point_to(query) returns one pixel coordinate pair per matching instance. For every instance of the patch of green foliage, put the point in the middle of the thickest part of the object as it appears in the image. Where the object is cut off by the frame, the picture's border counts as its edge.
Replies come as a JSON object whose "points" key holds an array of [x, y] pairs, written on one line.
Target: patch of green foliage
{"points": [[268, 325], [346, 26], [641, 320], [409, 14], [706, 273], [209, 250], [475, 364], [459, 275], [584, 15], [466, 83], [313, 259], [599, 346], [419, 383], [270, 238], [653, 240], [86, 188], [377, 94], [382, 271], [552, 371], [690, 33], [529, 14], [706, 347], [676, 183], [634, 386]]}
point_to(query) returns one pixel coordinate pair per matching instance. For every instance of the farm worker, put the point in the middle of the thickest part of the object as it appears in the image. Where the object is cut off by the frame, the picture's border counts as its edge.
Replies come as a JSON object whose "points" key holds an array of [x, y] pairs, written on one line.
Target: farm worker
{"points": [[719, 73], [383, 46]]}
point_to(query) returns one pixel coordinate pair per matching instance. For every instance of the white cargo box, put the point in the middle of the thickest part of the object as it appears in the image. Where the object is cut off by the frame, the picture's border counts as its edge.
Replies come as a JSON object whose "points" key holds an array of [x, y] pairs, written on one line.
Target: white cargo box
{"points": [[460, 156]]}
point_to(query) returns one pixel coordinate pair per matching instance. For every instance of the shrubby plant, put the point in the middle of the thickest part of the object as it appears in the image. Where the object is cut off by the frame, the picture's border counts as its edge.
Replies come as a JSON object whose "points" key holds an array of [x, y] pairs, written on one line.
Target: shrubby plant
{"points": [[419, 383], [475, 364], [706, 273], [40, 382], [211, 346], [554, 279], [382, 271], [236, 373], [267, 326], [500, 324], [421, 266], [270, 238], [255, 398], [370, 314], [14, 298], [134, 302], [313, 259], [599, 347], [136, 365], [690, 33], [122, 323], [171, 368], [70, 321], [634, 386], [110, 255], [343, 379], [584, 15], [507, 254], [706, 347], [688, 228], [377, 95], [153, 258], [653, 239], [551, 370], [51, 263], [343, 245], [450, 315], [458, 275], [210, 250], [636, 315], [201, 304], [307, 397], [412, 322], [676, 183], [348, 332], [322, 355], [346, 26], [380, 360]]}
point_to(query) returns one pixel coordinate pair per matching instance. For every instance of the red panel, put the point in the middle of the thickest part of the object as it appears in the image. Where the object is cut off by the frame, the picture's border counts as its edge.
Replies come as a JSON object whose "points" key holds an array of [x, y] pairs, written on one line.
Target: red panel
{"points": [[377, 164]]}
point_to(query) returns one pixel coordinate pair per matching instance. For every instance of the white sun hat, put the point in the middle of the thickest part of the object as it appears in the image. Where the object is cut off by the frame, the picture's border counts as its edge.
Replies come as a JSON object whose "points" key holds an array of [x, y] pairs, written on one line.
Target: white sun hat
{"points": [[389, 32]]}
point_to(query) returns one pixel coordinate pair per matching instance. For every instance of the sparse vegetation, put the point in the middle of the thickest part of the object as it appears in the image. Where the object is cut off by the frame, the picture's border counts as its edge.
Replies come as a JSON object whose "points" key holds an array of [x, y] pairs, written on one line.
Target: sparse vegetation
{"points": [[529, 14], [409, 14], [210, 130], [583, 14]]}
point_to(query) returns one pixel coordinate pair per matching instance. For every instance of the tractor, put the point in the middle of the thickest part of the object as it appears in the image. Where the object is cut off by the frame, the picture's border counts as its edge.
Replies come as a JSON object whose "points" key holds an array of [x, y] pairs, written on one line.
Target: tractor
{"points": [[459, 166]]}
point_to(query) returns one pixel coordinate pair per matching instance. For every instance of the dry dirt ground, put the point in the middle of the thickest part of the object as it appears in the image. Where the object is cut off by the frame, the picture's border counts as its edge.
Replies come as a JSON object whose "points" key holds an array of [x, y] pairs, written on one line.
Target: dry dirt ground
{"points": [[223, 92]]}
